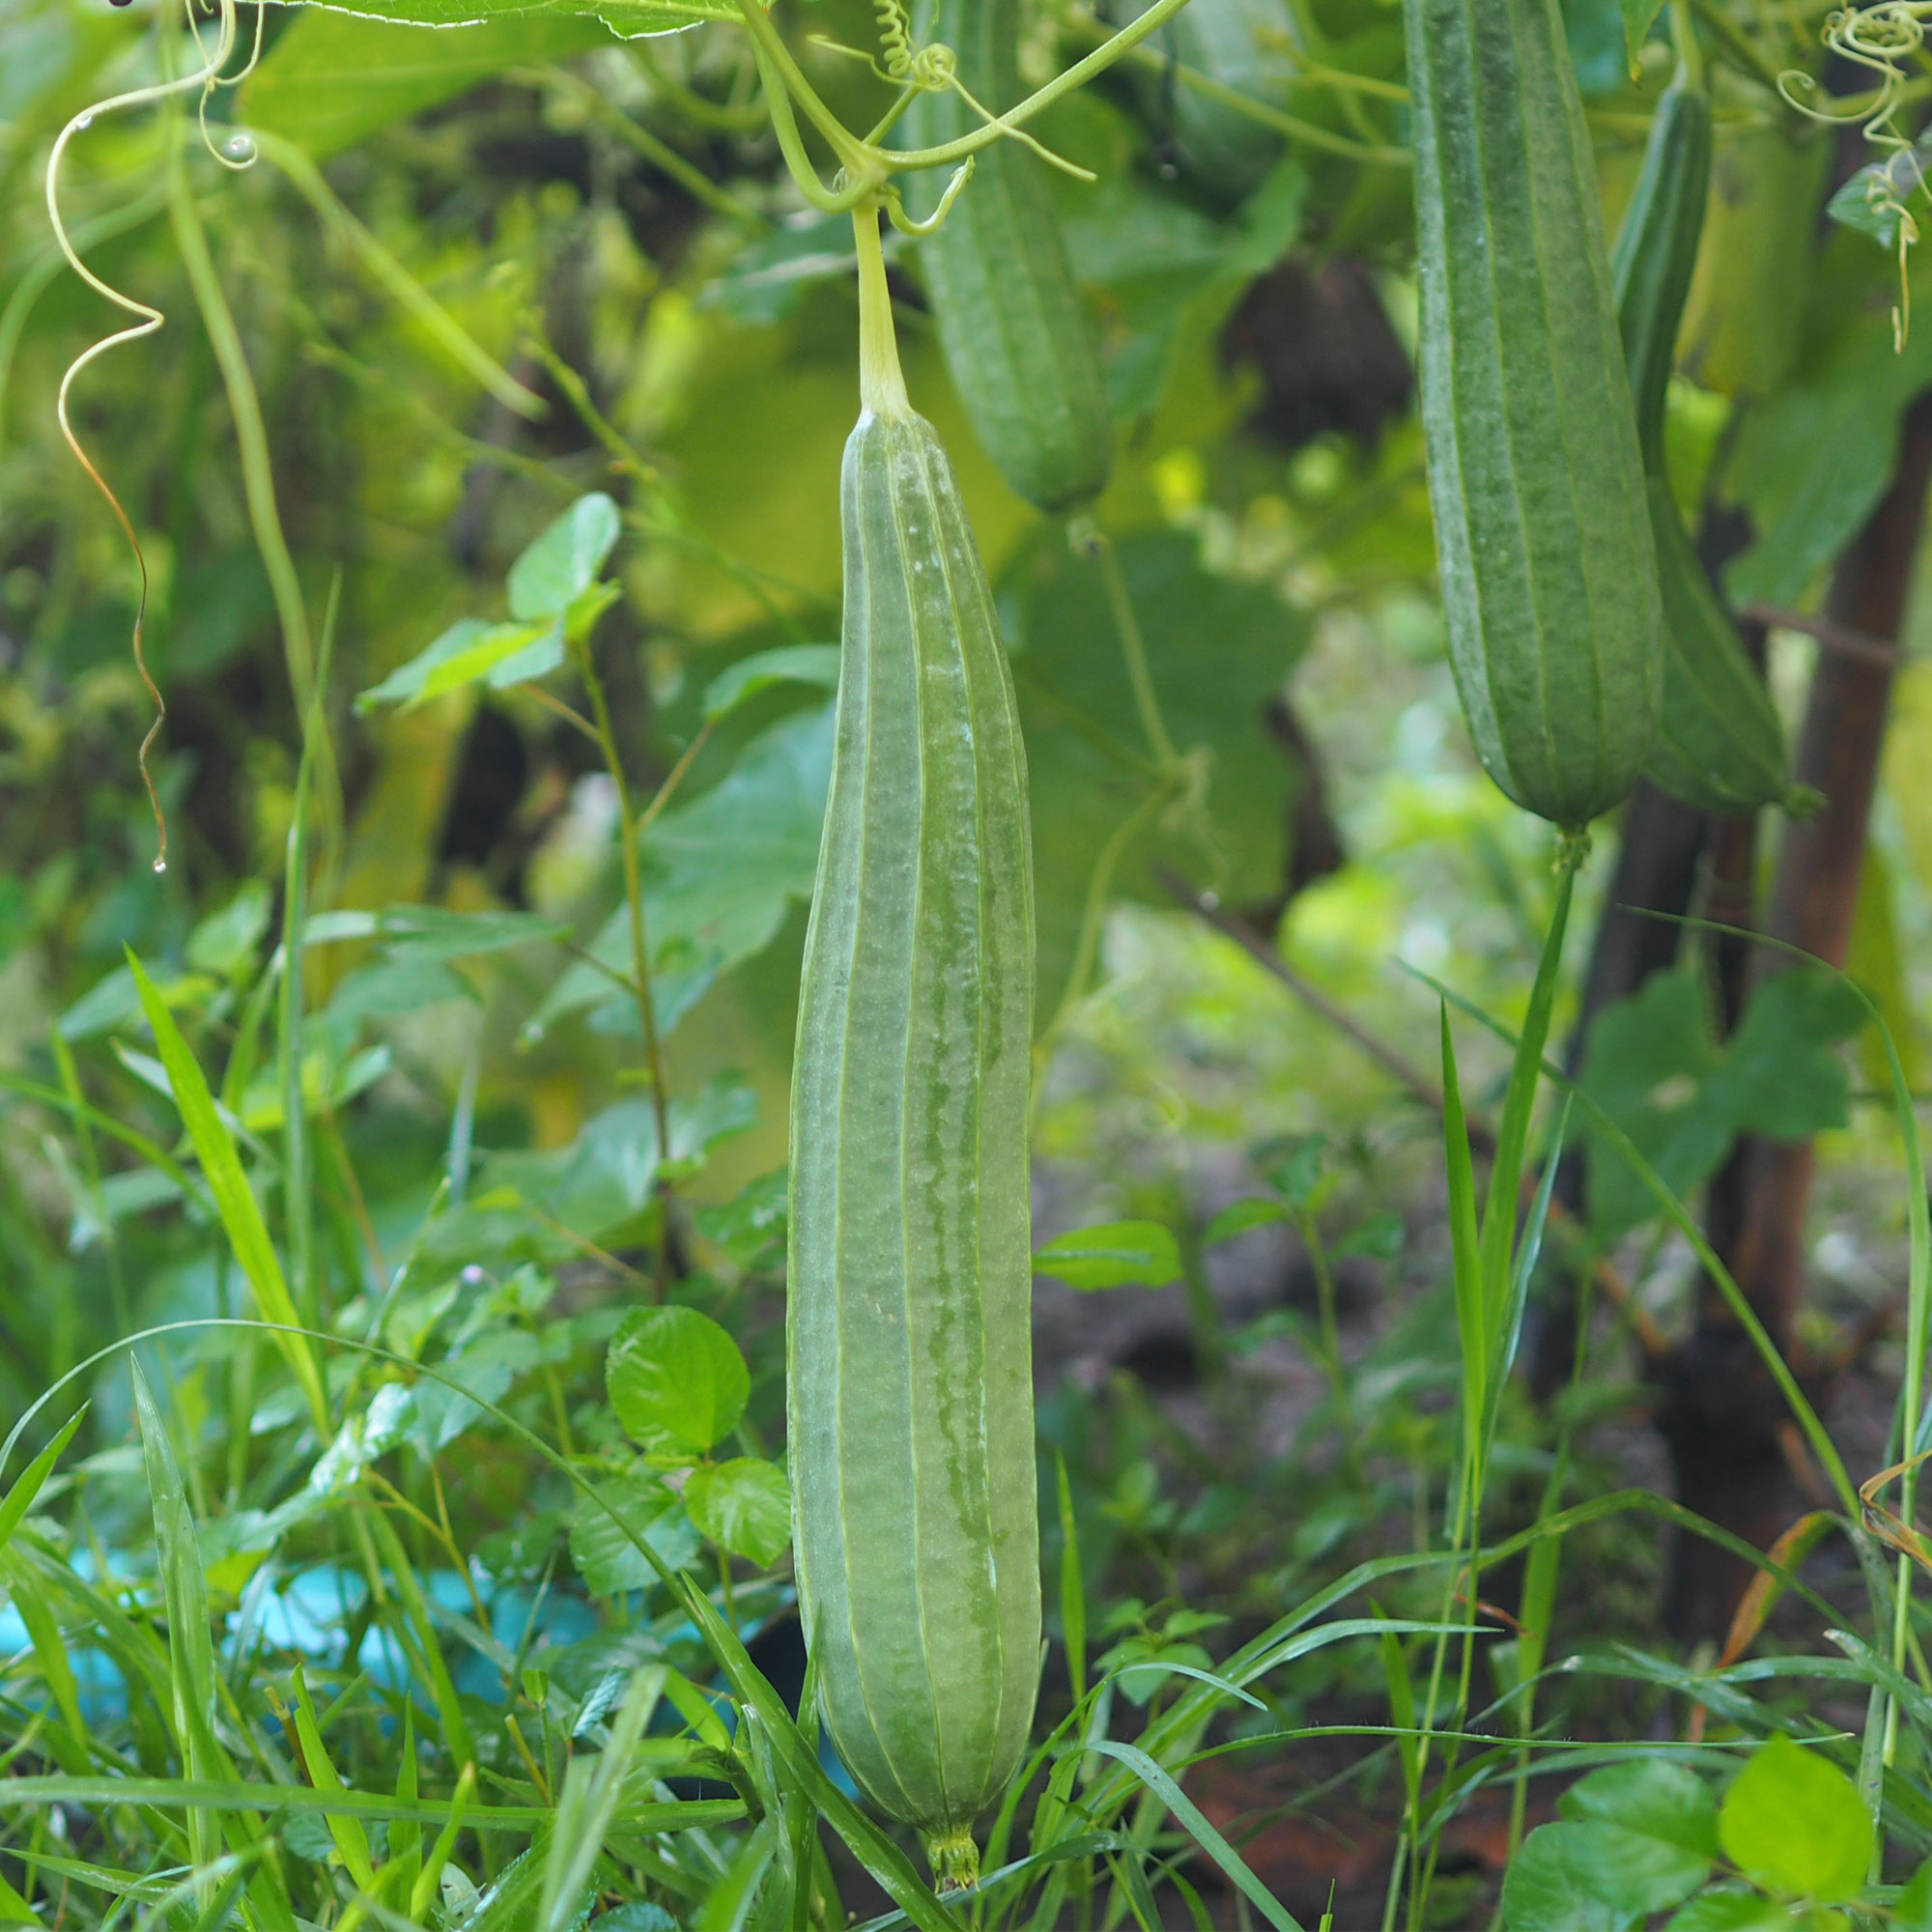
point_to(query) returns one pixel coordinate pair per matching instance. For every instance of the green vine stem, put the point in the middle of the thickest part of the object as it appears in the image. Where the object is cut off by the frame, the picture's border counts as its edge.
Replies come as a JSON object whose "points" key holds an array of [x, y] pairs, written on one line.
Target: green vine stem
{"points": [[882, 389], [864, 167]]}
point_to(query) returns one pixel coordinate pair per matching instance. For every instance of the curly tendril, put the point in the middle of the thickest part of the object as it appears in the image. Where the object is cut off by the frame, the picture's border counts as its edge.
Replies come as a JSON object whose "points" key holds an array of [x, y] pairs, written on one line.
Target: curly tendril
{"points": [[237, 152], [1881, 39]]}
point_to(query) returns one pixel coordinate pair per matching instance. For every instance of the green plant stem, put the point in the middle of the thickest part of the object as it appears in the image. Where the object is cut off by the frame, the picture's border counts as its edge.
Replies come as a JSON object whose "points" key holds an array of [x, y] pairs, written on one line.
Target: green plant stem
{"points": [[629, 846], [1089, 67], [661, 155], [719, 116], [1743, 54], [250, 433], [1370, 152], [882, 389], [1689, 55], [401, 287], [1332, 1365], [1133, 646], [774, 60]]}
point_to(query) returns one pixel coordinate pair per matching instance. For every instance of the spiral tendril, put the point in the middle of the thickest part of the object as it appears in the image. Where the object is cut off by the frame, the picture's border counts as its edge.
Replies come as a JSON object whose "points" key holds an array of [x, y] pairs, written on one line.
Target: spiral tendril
{"points": [[148, 319]]}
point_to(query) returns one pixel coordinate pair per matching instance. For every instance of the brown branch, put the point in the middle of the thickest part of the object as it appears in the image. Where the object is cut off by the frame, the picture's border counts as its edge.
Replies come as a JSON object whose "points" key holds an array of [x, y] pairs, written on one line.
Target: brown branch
{"points": [[1844, 639]]}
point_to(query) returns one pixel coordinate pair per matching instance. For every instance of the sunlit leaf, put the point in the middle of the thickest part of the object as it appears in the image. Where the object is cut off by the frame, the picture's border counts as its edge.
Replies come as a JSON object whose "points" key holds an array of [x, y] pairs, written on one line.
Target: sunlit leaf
{"points": [[676, 1381], [743, 1506], [560, 564], [1116, 1254]]}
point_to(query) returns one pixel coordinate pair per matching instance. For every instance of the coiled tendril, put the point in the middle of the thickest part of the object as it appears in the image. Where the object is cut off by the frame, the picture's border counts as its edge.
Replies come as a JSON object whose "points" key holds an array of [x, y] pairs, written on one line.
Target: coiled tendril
{"points": [[147, 318]]}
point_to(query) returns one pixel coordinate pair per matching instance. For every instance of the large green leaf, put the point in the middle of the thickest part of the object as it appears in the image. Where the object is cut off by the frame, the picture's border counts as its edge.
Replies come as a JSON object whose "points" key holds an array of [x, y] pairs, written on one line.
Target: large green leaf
{"points": [[1654, 1067], [720, 875], [1162, 265], [606, 1176], [1793, 1822], [1813, 460], [1545, 1890], [676, 1381], [1641, 1835], [1217, 650], [632, 19], [336, 78]]}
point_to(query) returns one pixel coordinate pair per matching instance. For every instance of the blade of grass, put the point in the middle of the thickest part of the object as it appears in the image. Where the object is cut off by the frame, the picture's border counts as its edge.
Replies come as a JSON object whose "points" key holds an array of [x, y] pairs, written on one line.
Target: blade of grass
{"points": [[239, 1213], [591, 1791], [351, 1840], [19, 1499], [1189, 1816]]}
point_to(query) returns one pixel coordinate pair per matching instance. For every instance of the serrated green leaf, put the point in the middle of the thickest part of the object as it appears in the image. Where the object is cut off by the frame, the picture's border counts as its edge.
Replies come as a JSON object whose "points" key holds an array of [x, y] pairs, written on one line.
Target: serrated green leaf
{"points": [[434, 932], [1652, 1066], [722, 873], [743, 1506], [606, 1558], [1545, 1891], [1116, 1254], [1645, 1833], [1218, 650], [1793, 1822], [676, 1381]]}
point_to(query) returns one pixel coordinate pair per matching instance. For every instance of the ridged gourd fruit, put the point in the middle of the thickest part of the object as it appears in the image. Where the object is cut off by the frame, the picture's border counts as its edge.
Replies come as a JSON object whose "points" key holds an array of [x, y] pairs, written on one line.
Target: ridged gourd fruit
{"points": [[910, 1384]]}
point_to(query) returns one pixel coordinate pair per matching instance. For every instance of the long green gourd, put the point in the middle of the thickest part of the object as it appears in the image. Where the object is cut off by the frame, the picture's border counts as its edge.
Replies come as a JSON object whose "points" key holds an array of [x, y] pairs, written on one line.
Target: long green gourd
{"points": [[910, 1381], [1017, 337], [1720, 745], [1542, 518]]}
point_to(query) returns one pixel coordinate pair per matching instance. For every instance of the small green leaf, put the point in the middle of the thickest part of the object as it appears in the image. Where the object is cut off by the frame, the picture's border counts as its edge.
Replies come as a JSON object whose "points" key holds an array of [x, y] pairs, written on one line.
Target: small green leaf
{"points": [[1731, 1911], [1645, 1833], [224, 943], [606, 1558], [1912, 1909], [1793, 1822], [1116, 1254], [1258, 1212], [1545, 1891], [562, 563], [1381, 1237], [1294, 1165], [1640, 16], [752, 1225], [469, 650], [433, 933], [786, 664], [1876, 201], [676, 1381], [743, 1506]]}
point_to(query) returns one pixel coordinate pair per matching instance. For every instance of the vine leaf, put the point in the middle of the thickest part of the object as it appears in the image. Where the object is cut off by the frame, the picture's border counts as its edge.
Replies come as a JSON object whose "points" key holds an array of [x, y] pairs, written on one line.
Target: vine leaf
{"points": [[1639, 16]]}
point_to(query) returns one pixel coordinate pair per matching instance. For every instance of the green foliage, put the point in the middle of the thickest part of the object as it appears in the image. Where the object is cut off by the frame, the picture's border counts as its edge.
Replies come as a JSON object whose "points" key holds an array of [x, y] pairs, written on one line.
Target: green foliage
{"points": [[1793, 1822], [676, 1380], [1120, 1254], [440, 1614], [1654, 1067]]}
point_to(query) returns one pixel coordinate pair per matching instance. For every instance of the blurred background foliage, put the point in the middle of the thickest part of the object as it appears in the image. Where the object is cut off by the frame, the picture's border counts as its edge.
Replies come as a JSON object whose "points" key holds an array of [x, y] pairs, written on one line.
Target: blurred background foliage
{"points": [[477, 278]]}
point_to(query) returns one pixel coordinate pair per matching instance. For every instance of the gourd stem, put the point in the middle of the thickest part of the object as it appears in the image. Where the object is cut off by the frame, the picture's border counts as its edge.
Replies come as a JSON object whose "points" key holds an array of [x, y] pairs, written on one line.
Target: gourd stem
{"points": [[882, 387], [1689, 56]]}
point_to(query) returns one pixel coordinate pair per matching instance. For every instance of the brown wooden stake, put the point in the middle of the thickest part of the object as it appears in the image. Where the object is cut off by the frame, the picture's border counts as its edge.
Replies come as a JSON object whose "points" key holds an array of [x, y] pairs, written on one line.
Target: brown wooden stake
{"points": [[1721, 1412]]}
